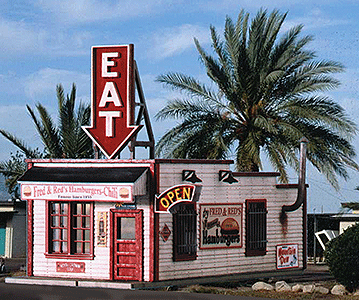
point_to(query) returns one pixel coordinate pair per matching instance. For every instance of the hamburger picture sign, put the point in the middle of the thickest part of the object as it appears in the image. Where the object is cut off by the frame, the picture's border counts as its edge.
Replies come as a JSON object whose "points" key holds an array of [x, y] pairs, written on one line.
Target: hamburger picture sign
{"points": [[221, 226]]}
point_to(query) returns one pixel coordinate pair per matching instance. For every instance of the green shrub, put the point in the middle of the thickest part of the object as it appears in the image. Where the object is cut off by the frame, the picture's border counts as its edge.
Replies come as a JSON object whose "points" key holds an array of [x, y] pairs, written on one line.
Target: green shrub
{"points": [[342, 256]]}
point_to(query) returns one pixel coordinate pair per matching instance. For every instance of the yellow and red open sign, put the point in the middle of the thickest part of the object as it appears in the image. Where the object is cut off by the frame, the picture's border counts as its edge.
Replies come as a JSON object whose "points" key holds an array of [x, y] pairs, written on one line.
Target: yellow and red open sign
{"points": [[176, 194]]}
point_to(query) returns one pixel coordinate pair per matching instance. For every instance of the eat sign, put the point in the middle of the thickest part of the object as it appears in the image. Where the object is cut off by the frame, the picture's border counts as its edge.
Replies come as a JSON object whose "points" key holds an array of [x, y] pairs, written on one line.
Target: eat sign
{"points": [[113, 92]]}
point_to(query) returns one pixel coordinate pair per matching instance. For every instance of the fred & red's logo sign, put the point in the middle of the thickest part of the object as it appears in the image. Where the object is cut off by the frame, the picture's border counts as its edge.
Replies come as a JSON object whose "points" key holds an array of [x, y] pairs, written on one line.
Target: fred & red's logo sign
{"points": [[113, 92]]}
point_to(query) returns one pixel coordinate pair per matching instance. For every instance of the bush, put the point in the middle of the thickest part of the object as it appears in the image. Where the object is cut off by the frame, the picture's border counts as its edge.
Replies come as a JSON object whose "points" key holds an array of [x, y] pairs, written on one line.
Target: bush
{"points": [[342, 256]]}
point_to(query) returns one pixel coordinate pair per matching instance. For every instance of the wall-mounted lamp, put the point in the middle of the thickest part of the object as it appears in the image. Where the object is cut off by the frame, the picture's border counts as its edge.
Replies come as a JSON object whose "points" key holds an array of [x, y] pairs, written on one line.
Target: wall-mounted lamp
{"points": [[227, 176], [190, 175]]}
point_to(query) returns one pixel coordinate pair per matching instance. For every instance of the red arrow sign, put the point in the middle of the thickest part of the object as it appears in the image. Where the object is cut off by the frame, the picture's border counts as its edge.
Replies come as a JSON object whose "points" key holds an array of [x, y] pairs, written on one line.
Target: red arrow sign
{"points": [[113, 92]]}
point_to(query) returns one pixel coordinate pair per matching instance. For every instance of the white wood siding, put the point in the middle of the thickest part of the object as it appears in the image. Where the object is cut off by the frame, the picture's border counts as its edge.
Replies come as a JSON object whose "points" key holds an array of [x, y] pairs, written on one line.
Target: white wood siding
{"points": [[143, 203], [99, 267], [212, 262]]}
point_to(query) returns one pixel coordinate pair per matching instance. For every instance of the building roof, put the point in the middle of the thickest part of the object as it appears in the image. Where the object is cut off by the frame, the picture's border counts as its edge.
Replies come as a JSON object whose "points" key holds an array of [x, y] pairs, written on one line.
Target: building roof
{"points": [[87, 174]]}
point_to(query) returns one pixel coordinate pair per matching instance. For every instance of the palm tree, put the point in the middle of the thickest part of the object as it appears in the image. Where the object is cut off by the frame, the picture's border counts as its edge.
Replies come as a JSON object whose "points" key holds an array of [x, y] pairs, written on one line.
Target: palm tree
{"points": [[12, 170], [267, 94], [65, 140]]}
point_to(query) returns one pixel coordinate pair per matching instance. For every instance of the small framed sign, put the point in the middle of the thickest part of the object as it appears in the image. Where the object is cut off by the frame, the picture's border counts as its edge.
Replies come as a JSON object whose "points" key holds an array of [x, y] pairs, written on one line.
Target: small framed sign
{"points": [[70, 267], [287, 256]]}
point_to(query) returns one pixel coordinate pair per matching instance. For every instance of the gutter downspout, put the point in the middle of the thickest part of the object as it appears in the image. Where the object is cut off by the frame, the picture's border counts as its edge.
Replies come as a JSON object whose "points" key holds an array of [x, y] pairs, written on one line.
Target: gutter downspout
{"points": [[301, 197]]}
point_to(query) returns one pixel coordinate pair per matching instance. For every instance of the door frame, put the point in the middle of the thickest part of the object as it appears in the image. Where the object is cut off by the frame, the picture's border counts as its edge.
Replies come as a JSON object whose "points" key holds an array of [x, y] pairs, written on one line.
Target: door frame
{"points": [[3, 226], [138, 215]]}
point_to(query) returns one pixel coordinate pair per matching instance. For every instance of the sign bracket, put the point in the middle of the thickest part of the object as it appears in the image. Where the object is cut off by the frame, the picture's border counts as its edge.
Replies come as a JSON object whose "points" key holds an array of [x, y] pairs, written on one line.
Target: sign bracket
{"points": [[142, 115]]}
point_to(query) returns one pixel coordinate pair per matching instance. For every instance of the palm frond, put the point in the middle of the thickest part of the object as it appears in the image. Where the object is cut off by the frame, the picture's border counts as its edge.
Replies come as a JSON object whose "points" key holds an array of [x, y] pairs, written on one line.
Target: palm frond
{"points": [[30, 153], [268, 94]]}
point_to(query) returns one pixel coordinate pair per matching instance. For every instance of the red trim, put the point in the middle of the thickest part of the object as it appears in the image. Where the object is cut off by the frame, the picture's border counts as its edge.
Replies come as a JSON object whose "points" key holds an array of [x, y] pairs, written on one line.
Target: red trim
{"points": [[68, 255], [137, 161], [157, 225], [289, 186], [111, 244], [255, 252], [89, 161], [193, 161], [30, 237], [47, 228], [175, 255], [131, 85], [152, 221], [258, 200], [255, 174]]}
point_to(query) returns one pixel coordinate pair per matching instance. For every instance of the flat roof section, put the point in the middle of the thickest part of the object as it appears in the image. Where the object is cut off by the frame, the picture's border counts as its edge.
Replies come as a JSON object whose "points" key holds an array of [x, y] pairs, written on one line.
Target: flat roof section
{"points": [[60, 174]]}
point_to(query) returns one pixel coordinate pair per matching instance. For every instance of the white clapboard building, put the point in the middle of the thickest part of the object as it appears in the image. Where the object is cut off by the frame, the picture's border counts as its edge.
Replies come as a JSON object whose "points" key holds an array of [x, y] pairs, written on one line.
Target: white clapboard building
{"points": [[157, 219]]}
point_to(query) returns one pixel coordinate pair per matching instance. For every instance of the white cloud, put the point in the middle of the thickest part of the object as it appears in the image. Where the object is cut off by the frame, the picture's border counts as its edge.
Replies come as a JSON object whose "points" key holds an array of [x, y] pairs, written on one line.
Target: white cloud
{"points": [[228, 6], [18, 37], [43, 82], [316, 19], [86, 11], [173, 41]]}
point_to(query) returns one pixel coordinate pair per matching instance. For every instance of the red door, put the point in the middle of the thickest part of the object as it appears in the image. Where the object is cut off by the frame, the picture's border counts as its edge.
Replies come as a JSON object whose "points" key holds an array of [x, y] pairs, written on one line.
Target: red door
{"points": [[127, 245]]}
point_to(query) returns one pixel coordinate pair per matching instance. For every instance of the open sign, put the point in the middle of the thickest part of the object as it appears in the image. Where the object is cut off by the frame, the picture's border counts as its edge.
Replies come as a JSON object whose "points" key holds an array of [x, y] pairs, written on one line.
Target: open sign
{"points": [[175, 194]]}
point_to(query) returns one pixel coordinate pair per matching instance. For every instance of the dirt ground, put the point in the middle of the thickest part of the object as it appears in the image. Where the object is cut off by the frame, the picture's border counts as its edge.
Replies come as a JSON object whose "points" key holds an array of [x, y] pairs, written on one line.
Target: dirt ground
{"points": [[242, 290], [315, 274]]}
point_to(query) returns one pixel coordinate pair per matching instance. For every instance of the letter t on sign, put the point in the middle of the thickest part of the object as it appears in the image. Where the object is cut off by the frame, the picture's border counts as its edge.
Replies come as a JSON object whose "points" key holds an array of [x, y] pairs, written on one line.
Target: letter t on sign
{"points": [[109, 115]]}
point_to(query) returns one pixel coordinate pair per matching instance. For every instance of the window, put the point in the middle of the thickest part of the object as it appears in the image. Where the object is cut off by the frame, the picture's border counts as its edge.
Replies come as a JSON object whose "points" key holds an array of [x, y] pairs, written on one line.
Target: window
{"points": [[256, 227], [184, 232], [70, 229]]}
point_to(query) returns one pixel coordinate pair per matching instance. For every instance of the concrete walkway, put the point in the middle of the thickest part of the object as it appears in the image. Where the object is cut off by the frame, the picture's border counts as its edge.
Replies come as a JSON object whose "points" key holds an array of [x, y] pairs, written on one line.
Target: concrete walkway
{"points": [[312, 273]]}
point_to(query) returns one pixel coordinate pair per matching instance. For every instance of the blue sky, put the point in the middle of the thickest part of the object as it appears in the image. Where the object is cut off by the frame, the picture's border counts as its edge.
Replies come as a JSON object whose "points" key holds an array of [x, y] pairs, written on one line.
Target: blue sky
{"points": [[47, 42]]}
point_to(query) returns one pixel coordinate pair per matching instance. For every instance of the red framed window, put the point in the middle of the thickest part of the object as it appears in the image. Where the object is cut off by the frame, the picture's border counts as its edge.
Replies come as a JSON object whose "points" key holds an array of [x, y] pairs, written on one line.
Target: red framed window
{"points": [[70, 229], [256, 227], [184, 232]]}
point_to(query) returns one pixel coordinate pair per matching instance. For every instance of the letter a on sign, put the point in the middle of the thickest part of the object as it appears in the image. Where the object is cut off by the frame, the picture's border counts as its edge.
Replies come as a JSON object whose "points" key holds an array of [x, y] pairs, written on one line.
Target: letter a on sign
{"points": [[113, 98]]}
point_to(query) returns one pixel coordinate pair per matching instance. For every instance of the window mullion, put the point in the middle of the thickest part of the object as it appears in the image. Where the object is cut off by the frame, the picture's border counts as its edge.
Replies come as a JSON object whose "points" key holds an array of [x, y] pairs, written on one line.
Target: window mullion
{"points": [[69, 228]]}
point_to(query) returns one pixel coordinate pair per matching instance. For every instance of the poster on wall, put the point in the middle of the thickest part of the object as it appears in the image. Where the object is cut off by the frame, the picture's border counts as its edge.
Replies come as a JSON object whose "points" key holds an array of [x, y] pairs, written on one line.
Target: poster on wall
{"points": [[102, 228], [287, 256], [221, 225]]}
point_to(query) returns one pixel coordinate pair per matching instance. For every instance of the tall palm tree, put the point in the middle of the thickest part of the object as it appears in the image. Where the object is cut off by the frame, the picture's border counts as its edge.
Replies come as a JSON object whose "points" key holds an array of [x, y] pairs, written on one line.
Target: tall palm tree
{"points": [[267, 94], [65, 140]]}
